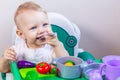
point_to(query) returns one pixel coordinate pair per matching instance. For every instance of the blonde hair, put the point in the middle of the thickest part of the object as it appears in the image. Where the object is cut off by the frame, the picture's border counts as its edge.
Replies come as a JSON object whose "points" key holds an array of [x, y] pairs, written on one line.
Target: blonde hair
{"points": [[27, 6]]}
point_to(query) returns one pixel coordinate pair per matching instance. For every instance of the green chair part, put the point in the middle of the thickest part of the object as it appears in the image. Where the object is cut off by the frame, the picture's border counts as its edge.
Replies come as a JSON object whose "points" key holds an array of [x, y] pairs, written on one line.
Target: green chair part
{"points": [[69, 35], [3, 76]]}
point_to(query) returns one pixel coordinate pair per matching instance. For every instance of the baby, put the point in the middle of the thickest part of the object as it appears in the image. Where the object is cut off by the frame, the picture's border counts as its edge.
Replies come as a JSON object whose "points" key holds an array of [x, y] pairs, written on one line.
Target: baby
{"points": [[40, 43]]}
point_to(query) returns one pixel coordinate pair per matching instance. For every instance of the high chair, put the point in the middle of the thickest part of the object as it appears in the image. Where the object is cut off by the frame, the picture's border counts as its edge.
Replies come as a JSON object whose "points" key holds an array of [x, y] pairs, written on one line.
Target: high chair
{"points": [[68, 33]]}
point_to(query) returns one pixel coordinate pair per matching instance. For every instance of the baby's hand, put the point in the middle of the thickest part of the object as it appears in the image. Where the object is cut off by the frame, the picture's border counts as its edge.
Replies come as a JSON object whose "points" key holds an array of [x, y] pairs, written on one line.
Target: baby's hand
{"points": [[58, 46], [52, 39], [9, 54]]}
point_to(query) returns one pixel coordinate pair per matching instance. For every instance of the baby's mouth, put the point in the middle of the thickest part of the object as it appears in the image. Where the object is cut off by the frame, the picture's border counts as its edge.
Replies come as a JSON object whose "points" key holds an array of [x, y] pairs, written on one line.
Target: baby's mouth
{"points": [[41, 38]]}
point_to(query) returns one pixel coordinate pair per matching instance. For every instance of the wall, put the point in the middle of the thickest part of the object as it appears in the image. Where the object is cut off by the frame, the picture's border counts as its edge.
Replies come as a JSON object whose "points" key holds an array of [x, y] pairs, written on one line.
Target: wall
{"points": [[98, 20]]}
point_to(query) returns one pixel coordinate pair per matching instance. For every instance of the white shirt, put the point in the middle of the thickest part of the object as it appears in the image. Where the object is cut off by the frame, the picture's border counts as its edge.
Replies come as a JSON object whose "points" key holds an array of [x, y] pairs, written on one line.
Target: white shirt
{"points": [[44, 53]]}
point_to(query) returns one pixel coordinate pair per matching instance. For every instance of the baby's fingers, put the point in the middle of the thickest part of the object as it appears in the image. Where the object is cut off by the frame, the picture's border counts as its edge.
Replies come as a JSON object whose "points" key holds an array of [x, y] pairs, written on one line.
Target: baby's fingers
{"points": [[12, 51], [51, 36], [52, 42], [10, 58], [10, 54]]}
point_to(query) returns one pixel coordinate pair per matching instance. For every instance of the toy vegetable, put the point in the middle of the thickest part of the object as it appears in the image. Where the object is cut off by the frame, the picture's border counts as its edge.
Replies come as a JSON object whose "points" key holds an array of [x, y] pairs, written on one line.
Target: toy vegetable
{"points": [[69, 63], [25, 64], [43, 67], [54, 69]]}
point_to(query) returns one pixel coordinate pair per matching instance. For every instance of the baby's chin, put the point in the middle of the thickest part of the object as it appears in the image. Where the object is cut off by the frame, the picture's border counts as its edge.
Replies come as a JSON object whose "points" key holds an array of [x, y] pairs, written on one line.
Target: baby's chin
{"points": [[41, 42]]}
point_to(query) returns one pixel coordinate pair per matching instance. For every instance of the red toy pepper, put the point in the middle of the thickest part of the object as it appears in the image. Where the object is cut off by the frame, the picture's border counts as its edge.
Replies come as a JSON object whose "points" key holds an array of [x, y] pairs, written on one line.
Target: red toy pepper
{"points": [[43, 67]]}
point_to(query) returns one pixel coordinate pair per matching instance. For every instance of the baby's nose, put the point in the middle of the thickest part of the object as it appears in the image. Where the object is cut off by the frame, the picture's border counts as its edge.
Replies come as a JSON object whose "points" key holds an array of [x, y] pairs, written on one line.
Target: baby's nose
{"points": [[41, 30]]}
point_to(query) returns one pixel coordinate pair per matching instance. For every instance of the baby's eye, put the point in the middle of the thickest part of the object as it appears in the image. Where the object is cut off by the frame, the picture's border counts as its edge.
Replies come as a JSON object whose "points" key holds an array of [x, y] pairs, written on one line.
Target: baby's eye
{"points": [[34, 27], [45, 24]]}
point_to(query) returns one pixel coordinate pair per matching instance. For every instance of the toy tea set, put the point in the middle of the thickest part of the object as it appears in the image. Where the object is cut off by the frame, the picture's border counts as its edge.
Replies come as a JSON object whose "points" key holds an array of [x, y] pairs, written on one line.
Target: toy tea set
{"points": [[72, 68]]}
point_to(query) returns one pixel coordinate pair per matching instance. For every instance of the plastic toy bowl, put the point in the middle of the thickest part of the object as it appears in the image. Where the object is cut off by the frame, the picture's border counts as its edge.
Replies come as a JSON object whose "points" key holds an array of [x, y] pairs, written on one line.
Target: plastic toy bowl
{"points": [[94, 67], [69, 72]]}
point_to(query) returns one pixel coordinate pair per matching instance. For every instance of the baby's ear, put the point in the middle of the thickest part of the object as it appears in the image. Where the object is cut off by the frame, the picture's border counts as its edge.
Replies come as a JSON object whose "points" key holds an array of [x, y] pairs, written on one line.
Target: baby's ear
{"points": [[20, 34]]}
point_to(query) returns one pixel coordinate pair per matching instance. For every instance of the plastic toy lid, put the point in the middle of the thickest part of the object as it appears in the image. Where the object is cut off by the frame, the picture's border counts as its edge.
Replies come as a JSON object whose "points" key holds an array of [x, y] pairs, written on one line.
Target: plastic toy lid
{"points": [[110, 57]]}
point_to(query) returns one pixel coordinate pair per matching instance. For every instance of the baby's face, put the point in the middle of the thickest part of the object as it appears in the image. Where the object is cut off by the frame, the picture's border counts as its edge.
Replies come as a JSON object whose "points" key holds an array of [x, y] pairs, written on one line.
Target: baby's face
{"points": [[34, 26]]}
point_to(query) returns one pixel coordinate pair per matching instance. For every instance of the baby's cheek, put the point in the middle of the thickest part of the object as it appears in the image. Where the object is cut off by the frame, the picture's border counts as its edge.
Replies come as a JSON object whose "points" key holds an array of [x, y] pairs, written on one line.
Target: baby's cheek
{"points": [[50, 30]]}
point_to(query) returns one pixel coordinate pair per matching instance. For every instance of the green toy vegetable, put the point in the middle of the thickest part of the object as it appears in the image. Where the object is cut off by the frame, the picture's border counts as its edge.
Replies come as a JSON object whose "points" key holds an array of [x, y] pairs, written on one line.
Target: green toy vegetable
{"points": [[54, 71]]}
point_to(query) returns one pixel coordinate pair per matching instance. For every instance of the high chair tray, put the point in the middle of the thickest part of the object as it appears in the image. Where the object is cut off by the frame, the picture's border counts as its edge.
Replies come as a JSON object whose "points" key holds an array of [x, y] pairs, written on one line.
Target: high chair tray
{"points": [[32, 74]]}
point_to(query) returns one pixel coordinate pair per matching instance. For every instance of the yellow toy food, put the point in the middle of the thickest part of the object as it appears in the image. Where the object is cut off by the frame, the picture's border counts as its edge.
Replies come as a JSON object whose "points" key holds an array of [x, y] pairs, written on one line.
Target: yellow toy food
{"points": [[69, 63]]}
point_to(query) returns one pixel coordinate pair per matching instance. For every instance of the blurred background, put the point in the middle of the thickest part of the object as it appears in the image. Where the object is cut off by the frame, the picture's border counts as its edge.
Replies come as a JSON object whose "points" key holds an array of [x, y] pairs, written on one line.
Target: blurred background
{"points": [[98, 21]]}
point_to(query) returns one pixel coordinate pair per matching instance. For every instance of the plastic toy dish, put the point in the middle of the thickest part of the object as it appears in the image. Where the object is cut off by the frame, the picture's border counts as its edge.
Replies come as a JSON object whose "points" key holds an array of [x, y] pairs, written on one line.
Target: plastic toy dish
{"points": [[91, 69], [69, 72]]}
